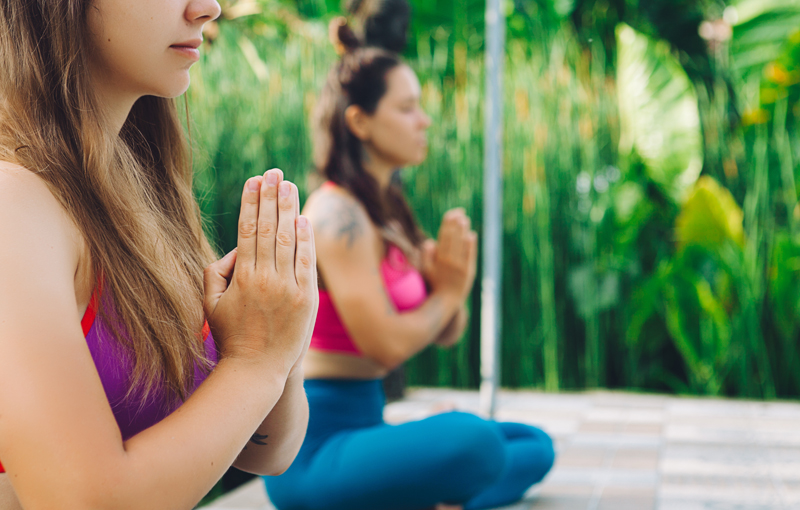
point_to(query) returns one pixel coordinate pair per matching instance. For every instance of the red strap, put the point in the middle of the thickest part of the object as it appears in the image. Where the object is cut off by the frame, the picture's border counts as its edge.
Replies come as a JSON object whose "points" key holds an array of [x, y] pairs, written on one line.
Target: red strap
{"points": [[206, 332], [2, 469], [91, 312]]}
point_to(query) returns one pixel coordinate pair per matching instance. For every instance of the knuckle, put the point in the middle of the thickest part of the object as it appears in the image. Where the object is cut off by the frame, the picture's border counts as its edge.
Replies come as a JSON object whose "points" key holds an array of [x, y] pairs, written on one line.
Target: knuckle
{"points": [[304, 261], [248, 228], [286, 205], [285, 239], [266, 229]]}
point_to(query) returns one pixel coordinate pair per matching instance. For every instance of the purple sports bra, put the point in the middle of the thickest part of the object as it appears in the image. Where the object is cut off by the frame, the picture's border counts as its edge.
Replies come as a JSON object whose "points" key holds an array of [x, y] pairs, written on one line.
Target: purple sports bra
{"points": [[115, 367]]}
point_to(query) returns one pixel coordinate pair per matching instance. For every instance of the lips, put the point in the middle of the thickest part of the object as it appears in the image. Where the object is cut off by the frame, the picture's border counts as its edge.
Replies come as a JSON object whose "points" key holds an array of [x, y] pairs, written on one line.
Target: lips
{"points": [[193, 44], [188, 49]]}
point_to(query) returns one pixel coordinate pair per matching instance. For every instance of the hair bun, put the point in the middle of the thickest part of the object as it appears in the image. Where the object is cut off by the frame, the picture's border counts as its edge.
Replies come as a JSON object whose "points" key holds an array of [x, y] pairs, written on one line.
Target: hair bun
{"points": [[382, 23], [342, 37]]}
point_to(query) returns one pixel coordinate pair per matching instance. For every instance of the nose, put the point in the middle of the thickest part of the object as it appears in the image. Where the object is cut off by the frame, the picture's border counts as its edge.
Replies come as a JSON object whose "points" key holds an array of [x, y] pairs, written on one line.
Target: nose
{"points": [[202, 11], [425, 120]]}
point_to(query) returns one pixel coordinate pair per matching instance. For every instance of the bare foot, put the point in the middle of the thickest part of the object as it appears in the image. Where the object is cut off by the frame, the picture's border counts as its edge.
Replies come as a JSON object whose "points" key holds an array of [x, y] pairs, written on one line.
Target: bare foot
{"points": [[441, 408]]}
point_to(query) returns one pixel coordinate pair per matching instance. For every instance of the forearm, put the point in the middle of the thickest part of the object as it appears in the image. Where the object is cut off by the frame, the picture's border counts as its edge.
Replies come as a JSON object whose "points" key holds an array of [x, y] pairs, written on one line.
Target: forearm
{"points": [[274, 446], [176, 462], [454, 329], [402, 335]]}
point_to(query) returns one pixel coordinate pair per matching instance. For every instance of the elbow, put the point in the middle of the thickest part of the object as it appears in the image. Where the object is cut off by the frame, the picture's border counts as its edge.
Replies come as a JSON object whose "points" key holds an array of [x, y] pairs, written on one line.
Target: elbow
{"points": [[263, 470], [274, 467], [389, 359]]}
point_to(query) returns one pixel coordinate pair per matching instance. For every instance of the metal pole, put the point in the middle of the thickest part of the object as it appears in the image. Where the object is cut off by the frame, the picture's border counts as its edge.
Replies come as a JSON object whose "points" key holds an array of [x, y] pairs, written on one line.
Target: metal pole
{"points": [[492, 208]]}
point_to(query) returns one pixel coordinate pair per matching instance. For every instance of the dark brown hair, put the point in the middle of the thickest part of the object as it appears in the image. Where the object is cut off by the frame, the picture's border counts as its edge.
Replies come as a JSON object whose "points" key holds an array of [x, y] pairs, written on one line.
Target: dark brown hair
{"points": [[382, 23], [129, 194], [359, 79]]}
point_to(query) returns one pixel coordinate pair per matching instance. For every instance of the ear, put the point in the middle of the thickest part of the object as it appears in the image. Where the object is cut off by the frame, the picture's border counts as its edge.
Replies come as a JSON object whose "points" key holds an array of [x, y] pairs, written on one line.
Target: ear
{"points": [[358, 122]]}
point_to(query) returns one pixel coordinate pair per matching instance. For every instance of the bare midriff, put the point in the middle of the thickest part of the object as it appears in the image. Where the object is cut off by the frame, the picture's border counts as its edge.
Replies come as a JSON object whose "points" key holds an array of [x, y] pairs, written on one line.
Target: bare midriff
{"points": [[334, 365]]}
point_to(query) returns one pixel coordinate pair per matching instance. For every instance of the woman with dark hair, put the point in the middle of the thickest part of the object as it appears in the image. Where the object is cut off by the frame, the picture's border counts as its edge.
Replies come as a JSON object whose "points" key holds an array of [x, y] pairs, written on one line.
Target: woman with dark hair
{"points": [[386, 293], [113, 391]]}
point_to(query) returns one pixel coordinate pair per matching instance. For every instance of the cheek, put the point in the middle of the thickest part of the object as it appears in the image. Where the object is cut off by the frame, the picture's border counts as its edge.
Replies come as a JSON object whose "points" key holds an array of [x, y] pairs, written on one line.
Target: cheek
{"points": [[398, 139], [131, 47]]}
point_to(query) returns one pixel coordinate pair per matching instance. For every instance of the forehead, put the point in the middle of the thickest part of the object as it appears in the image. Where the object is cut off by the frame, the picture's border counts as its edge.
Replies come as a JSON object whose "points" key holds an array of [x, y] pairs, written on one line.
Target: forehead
{"points": [[402, 82]]}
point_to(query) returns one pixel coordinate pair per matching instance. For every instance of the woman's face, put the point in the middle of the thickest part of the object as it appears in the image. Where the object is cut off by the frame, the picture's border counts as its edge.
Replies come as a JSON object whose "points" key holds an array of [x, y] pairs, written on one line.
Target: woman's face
{"points": [[146, 47], [397, 129]]}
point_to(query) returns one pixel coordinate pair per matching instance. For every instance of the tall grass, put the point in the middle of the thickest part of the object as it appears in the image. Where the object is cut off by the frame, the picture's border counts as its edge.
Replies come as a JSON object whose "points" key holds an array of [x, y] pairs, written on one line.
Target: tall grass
{"points": [[594, 288]]}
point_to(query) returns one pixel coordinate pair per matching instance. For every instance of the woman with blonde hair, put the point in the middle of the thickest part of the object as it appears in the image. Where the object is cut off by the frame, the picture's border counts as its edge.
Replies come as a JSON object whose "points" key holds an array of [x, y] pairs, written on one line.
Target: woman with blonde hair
{"points": [[386, 293], [113, 391]]}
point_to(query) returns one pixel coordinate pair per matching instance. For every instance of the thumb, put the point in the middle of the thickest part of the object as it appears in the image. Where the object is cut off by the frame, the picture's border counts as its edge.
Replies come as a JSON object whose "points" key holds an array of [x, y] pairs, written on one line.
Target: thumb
{"points": [[428, 254], [215, 279]]}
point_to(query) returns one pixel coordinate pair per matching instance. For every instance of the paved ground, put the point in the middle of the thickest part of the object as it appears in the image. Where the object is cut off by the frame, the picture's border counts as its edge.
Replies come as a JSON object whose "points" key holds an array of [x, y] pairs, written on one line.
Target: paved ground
{"points": [[621, 451]]}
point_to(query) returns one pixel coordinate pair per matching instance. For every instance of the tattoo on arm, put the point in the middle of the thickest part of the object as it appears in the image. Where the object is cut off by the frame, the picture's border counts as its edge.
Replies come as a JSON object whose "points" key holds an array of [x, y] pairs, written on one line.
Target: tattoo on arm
{"points": [[343, 220]]}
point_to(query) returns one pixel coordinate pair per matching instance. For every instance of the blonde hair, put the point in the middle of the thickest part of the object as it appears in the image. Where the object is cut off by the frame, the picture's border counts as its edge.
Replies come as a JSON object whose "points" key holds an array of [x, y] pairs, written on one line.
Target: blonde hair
{"points": [[129, 194]]}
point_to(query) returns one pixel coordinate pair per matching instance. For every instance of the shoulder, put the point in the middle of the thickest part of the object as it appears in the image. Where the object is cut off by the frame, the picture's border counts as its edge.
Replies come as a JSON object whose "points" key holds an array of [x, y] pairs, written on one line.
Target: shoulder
{"points": [[339, 219], [34, 224]]}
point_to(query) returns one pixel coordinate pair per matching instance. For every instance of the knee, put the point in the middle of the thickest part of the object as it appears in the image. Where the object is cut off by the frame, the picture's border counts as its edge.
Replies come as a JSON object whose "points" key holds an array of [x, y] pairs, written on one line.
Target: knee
{"points": [[546, 455], [477, 449]]}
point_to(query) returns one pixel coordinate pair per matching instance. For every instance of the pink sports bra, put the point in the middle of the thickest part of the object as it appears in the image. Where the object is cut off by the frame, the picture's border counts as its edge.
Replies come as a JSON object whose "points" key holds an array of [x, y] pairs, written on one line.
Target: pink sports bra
{"points": [[404, 285]]}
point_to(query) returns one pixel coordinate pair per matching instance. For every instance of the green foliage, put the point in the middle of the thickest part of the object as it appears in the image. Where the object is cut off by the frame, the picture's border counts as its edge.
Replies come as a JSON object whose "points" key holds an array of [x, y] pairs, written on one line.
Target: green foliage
{"points": [[760, 32], [659, 114], [710, 217], [621, 268]]}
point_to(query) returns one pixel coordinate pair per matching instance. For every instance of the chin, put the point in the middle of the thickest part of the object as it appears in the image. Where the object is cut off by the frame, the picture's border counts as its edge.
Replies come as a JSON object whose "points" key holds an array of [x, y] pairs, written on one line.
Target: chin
{"points": [[175, 88]]}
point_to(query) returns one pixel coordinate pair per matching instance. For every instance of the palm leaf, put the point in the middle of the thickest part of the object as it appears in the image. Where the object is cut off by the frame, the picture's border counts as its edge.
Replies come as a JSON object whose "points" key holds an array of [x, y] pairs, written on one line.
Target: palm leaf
{"points": [[659, 116], [760, 31]]}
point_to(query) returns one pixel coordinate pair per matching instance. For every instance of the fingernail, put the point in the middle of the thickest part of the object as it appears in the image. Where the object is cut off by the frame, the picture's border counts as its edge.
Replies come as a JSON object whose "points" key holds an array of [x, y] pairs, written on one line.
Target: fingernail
{"points": [[254, 184], [285, 189], [302, 222], [272, 179]]}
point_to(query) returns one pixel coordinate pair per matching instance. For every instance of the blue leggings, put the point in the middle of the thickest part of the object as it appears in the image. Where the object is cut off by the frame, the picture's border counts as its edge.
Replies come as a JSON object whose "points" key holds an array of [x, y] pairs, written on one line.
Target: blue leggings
{"points": [[352, 460]]}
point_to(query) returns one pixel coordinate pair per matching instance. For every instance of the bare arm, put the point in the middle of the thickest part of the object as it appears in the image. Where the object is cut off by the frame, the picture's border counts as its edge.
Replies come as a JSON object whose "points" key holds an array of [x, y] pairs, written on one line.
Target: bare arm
{"points": [[348, 260], [59, 441], [452, 333], [280, 435]]}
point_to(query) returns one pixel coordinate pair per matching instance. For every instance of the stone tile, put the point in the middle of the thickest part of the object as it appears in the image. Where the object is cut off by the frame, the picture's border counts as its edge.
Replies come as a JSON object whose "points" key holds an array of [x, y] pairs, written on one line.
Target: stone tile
{"points": [[619, 451], [693, 504], [647, 429], [601, 427], [560, 503], [617, 440], [741, 491], [636, 459], [592, 477], [579, 457]]}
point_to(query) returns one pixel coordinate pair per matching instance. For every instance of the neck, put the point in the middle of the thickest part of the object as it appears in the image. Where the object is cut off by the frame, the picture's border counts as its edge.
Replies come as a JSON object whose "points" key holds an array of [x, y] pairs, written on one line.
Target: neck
{"points": [[116, 104], [380, 169], [117, 113]]}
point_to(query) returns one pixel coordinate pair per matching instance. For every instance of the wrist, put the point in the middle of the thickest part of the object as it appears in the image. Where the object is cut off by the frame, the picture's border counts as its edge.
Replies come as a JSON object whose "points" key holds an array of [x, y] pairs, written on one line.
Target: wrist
{"points": [[451, 301], [257, 364]]}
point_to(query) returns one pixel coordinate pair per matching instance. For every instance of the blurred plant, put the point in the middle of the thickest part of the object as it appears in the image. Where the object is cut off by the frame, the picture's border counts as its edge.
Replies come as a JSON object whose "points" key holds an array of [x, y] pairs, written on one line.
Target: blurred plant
{"points": [[621, 268], [658, 112]]}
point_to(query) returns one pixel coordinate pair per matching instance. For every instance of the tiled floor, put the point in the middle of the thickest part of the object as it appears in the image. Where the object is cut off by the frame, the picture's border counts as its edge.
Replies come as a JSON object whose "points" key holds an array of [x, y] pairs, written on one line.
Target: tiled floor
{"points": [[621, 451]]}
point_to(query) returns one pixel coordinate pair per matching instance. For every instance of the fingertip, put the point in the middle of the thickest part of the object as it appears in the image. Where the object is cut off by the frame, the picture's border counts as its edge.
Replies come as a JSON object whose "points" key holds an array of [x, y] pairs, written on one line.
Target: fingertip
{"points": [[272, 177], [253, 184]]}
